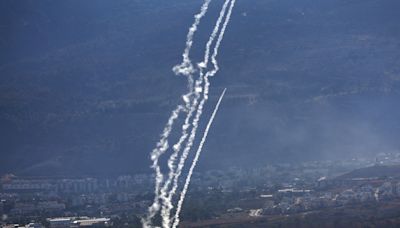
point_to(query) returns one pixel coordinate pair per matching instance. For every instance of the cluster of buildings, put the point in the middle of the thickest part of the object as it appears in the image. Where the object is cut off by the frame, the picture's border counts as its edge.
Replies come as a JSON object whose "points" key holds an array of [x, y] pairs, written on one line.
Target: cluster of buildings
{"points": [[10, 183], [34, 199], [66, 222], [288, 201], [291, 188], [44, 207]]}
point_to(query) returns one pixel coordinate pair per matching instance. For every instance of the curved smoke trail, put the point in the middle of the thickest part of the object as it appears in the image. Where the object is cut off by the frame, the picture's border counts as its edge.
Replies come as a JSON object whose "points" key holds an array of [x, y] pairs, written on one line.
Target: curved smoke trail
{"points": [[167, 206], [186, 69], [162, 146], [221, 36], [212, 73], [196, 158], [205, 98], [167, 202], [162, 195]]}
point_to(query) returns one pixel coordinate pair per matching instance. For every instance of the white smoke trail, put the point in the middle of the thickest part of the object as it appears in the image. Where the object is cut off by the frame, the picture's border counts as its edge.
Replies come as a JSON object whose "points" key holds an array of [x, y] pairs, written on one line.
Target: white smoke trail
{"points": [[194, 163], [205, 97], [167, 202], [167, 205], [162, 146], [184, 68], [206, 87], [220, 38]]}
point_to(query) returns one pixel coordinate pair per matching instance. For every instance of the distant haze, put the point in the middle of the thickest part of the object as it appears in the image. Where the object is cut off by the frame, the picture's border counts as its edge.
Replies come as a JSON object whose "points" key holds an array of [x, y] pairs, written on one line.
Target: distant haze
{"points": [[86, 87]]}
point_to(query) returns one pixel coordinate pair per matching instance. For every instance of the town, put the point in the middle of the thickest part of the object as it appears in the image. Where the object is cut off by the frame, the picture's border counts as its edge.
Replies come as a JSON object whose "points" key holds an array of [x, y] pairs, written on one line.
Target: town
{"points": [[216, 196]]}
